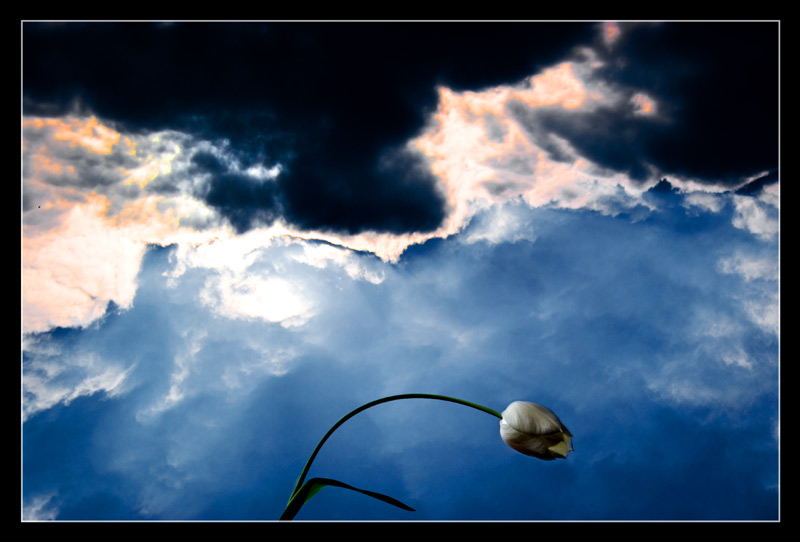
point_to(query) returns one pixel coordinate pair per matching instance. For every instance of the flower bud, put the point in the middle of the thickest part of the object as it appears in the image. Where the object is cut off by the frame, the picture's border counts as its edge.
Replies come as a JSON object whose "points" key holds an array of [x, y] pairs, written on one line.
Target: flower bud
{"points": [[535, 430]]}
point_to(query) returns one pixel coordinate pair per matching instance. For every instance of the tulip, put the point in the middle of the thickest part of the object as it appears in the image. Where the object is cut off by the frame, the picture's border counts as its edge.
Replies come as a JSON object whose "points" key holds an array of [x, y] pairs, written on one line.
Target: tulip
{"points": [[535, 430], [527, 427]]}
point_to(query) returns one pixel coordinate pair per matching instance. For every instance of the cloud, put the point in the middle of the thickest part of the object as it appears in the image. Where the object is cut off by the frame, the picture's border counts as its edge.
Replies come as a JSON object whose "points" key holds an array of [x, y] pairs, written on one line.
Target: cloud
{"points": [[611, 32], [272, 299], [765, 312], [357, 266], [51, 380], [245, 202], [486, 150], [758, 218], [723, 358], [704, 201], [750, 267], [84, 240], [70, 274], [708, 90], [643, 104], [500, 224], [41, 508]]}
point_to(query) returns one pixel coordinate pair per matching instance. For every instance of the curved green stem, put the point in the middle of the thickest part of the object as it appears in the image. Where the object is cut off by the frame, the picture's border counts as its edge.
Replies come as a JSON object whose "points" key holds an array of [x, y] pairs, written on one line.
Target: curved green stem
{"points": [[378, 402]]}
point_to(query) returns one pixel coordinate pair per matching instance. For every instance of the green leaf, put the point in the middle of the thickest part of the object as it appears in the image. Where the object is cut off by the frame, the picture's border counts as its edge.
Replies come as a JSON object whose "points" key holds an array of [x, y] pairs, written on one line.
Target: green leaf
{"points": [[314, 485]]}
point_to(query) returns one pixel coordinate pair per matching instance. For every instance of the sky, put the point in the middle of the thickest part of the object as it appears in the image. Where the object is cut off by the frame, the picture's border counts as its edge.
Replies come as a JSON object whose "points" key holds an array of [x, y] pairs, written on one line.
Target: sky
{"points": [[233, 234]]}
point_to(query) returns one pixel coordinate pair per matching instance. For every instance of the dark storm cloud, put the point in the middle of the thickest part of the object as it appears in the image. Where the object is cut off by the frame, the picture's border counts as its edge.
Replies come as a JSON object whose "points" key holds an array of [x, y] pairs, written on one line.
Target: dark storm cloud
{"points": [[755, 186], [605, 136], [244, 201], [715, 87], [394, 195], [333, 103]]}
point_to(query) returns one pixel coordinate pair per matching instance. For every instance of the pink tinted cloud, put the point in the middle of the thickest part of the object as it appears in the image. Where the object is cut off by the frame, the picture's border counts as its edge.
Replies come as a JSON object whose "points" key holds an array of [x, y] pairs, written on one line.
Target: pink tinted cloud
{"points": [[611, 32], [468, 156], [70, 272], [80, 248], [87, 133], [644, 104]]}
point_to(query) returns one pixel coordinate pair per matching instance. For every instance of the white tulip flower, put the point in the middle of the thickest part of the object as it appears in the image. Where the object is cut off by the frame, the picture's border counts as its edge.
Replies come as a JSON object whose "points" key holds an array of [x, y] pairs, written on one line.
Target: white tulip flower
{"points": [[535, 430]]}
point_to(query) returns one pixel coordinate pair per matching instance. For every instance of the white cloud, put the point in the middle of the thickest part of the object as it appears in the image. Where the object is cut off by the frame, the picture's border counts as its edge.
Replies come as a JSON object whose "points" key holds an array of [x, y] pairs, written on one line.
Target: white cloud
{"points": [[501, 223], [720, 374], [262, 173], [41, 507], [705, 201], [714, 362], [750, 268], [765, 312], [182, 369], [273, 299], [685, 391], [737, 357], [320, 255], [755, 216], [48, 381], [761, 301], [771, 195], [265, 362]]}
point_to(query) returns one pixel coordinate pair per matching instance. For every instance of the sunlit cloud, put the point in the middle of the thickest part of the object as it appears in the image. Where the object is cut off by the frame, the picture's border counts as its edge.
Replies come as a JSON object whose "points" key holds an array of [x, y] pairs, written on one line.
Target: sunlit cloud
{"points": [[75, 265], [644, 105], [484, 156], [87, 133], [272, 299], [611, 32], [69, 274], [152, 165], [321, 255]]}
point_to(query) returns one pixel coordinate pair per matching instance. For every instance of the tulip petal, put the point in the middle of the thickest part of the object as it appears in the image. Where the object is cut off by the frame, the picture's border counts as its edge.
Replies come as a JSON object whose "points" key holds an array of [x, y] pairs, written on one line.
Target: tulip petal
{"points": [[560, 449]]}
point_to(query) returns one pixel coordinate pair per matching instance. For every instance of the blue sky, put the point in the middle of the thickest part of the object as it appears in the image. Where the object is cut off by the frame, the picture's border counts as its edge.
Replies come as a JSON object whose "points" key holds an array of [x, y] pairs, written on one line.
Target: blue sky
{"points": [[234, 234]]}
